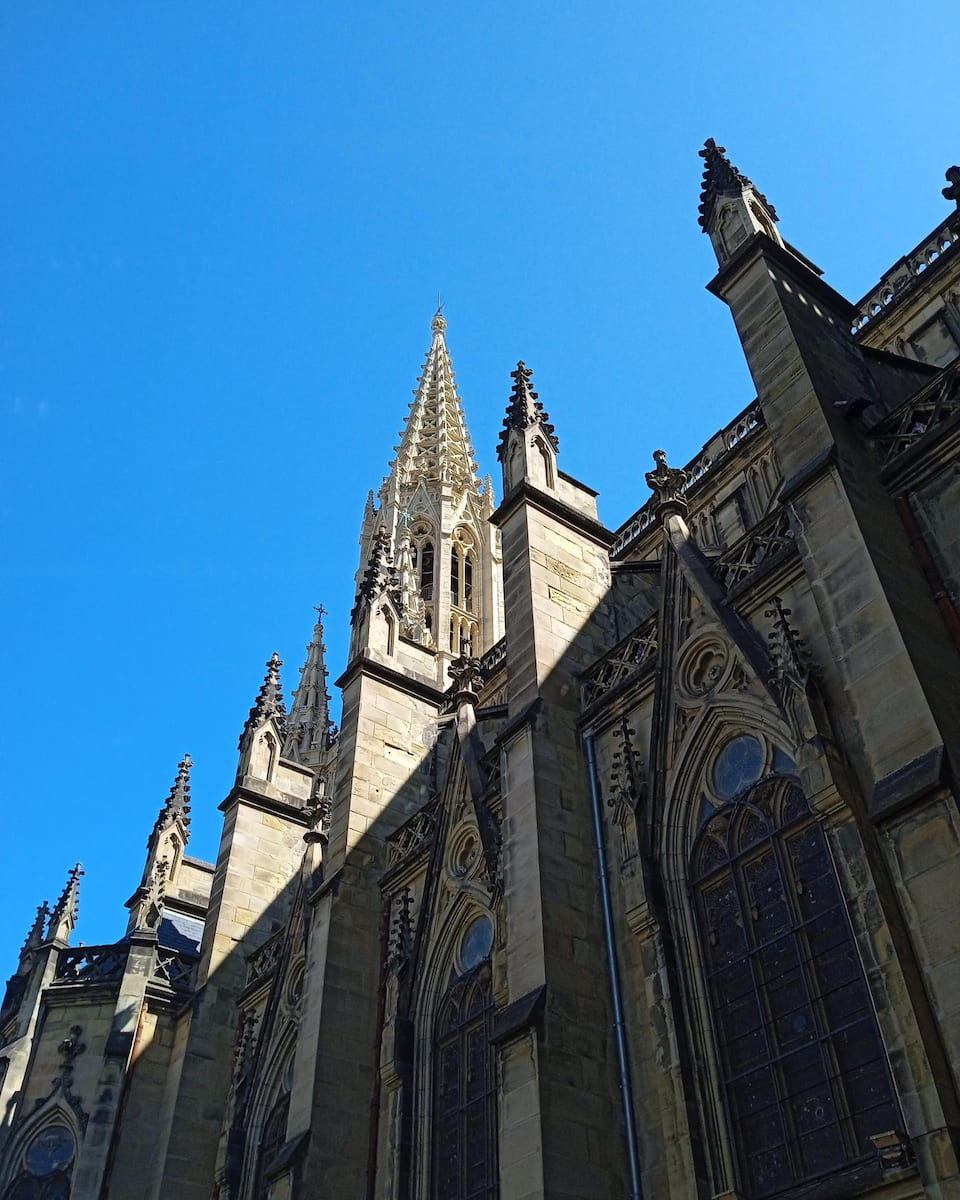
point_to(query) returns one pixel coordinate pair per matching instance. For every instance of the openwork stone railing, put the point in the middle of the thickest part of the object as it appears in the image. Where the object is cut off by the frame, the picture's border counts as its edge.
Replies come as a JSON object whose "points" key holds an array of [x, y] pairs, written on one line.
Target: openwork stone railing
{"points": [[636, 651], [903, 272], [931, 406], [494, 658], [261, 962], [176, 968], [412, 837], [712, 454], [764, 542], [91, 964]]}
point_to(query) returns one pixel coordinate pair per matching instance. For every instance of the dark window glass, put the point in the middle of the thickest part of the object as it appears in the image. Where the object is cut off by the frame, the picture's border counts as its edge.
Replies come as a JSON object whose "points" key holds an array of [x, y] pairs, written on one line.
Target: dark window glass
{"points": [[426, 571], [454, 576], [271, 1143], [468, 582], [803, 1067], [464, 1115]]}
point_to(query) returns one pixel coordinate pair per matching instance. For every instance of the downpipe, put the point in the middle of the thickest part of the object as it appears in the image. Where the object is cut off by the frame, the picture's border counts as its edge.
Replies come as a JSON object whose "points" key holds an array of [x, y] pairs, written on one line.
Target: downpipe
{"points": [[613, 968]]}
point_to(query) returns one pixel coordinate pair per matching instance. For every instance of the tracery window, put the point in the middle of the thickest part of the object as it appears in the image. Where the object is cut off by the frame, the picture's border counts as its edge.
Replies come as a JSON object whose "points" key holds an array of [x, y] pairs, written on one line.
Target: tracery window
{"points": [[272, 1138], [462, 562], [464, 1087], [803, 1066], [47, 1166]]}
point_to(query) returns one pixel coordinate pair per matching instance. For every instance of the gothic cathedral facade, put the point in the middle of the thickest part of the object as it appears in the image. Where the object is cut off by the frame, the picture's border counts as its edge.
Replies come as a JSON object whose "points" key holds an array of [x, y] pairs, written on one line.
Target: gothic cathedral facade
{"points": [[633, 869]]}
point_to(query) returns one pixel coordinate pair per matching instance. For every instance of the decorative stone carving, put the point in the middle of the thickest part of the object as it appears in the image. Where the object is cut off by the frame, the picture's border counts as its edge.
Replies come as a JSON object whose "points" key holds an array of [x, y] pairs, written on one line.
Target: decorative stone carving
{"points": [[667, 482]]}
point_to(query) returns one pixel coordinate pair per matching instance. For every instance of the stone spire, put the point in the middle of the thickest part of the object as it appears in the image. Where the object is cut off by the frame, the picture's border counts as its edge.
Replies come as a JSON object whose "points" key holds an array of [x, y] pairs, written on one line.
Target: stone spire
{"points": [[429, 571], [434, 446], [63, 919], [732, 210], [721, 178], [269, 703], [177, 805], [35, 937], [308, 726], [524, 410]]}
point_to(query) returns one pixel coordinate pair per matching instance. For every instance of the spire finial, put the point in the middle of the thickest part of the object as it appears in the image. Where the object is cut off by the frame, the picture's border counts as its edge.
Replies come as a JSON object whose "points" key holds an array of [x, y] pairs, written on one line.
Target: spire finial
{"points": [[438, 324], [63, 919], [524, 409], [721, 178], [269, 702]]}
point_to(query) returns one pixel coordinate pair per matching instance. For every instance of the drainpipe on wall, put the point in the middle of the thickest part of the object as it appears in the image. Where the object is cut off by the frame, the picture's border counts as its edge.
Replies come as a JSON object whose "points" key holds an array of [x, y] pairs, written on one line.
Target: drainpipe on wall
{"points": [[613, 967]]}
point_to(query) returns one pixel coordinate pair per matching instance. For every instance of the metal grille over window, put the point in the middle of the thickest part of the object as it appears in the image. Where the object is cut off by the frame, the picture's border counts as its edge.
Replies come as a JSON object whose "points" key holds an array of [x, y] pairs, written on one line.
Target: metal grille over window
{"points": [[804, 1069], [464, 1149]]}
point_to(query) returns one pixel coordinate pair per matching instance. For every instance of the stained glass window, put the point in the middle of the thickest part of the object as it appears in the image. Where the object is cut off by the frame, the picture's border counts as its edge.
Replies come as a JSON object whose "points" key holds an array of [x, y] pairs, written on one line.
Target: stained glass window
{"points": [[464, 1138], [272, 1138], [803, 1065]]}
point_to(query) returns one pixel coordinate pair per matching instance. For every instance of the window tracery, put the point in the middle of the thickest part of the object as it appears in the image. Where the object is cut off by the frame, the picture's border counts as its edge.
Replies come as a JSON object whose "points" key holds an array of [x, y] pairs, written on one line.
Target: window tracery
{"points": [[802, 1063], [464, 1090]]}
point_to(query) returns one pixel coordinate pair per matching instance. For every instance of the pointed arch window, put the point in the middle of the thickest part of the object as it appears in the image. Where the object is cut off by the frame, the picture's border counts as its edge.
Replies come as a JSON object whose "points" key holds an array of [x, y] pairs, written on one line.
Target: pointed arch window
{"points": [[426, 570], [803, 1066], [464, 1090], [272, 1138], [46, 1166], [455, 575]]}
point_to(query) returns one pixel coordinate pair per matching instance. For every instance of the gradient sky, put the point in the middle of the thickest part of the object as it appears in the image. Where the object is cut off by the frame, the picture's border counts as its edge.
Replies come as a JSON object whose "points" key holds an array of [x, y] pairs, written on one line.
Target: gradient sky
{"points": [[225, 226]]}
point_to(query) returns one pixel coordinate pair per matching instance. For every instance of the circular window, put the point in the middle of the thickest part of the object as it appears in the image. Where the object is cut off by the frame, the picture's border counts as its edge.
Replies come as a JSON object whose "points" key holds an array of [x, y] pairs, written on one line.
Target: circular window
{"points": [[51, 1150], [476, 942], [738, 765]]}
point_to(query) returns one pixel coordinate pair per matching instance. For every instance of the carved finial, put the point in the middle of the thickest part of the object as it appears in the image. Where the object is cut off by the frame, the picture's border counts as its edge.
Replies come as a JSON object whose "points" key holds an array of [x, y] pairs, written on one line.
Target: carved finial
{"points": [[952, 175], [721, 178], [438, 324], [667, 482], [467, 674], [269, 702], [63, 919], [524, 409], [380, 573]]}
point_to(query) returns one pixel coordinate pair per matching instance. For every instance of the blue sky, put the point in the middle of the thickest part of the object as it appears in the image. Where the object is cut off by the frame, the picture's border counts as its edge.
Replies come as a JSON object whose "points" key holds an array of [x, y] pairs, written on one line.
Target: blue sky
{"points": [[224, 229]]}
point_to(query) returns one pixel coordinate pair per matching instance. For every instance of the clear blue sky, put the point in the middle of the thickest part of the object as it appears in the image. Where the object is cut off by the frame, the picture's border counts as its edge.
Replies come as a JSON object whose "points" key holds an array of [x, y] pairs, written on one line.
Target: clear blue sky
{"points": [[224, 230]]}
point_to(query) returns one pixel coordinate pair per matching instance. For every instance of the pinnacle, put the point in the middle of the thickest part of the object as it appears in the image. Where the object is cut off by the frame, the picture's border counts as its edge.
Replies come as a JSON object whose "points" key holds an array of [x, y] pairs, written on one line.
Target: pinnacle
{"points": [[721, 178], [269, 702], [308, 726], [524, 409], [177, 803], [67, 908], [35, 936]]}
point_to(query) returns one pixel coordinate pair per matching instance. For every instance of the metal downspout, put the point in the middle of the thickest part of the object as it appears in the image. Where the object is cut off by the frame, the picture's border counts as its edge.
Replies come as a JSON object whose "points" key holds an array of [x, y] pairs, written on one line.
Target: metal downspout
{"points": [[613, 965]]}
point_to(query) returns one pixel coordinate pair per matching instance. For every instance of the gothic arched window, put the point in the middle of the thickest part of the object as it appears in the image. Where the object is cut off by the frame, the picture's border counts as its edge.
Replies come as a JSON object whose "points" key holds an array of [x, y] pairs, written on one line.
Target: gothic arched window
{"points": [[47, 1166], [272, 1137], [426, 570], [464, 1087], [803, 1067]]}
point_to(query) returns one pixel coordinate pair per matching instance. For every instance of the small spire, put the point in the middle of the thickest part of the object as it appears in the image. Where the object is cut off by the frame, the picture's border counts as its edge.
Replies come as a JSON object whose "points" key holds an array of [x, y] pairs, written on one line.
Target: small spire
{"points": [[63, 919], [308, 726], [269, 701], [35, 936], [524, 409], [380, 573], [177, 803], [721, 178]]}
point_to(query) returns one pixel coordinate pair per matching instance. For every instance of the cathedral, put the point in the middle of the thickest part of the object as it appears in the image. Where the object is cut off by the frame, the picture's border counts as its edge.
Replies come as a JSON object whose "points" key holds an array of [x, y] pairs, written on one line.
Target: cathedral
{"points": [[633, 869]]}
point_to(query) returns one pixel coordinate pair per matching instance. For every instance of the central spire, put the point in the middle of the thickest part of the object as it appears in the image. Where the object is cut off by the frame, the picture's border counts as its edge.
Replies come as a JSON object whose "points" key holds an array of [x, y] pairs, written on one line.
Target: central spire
{"points": [[435, 447], [427, 551]]}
